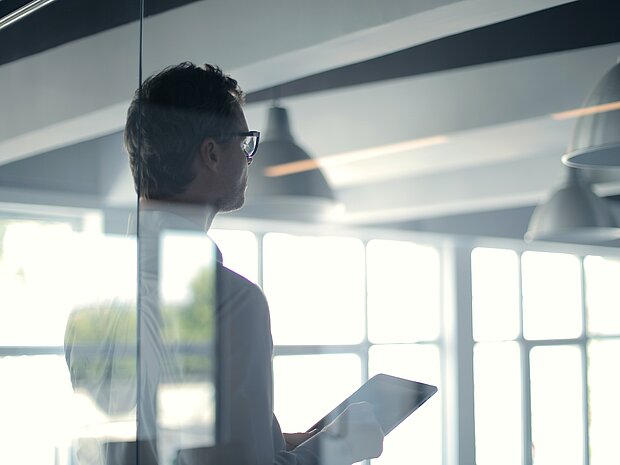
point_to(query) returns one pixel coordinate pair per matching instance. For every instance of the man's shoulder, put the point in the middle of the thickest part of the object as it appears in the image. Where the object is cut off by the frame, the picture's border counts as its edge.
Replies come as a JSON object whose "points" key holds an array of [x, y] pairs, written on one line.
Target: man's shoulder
{"points": [[227, 274], [242, 306], [232, 283]]}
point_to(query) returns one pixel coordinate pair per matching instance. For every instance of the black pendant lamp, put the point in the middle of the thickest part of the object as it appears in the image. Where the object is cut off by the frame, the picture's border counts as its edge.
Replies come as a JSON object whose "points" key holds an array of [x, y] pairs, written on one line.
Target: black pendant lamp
{"points": [[301, 195]]}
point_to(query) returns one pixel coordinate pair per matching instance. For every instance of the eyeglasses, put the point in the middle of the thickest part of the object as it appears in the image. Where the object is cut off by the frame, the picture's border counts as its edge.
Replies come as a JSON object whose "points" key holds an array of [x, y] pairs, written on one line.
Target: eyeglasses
{"points": [[249, 143]]}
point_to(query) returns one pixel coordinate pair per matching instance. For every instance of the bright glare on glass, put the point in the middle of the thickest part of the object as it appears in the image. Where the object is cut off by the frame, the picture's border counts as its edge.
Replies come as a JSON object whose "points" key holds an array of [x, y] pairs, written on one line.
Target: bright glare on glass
{"points": [[602, 295], [47, 270], [557, 405], [184, 256], [186, 417], [186, 399], [403, 291], [308, 387], [37, 410], [495, 294], [497, 391], [239, 251], [315, 288], [418, 438], [551, 296], [604, 386]]}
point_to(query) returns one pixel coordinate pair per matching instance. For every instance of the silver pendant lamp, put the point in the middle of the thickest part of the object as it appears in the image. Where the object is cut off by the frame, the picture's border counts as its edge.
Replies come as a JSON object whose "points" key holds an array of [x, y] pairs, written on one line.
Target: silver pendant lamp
{"points": [[596, 137], [573, 213], [303, 195]]}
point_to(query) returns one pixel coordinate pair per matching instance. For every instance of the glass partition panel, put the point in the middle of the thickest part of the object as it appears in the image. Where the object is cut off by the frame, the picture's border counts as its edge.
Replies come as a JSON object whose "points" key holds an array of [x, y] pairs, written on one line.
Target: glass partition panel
{"points": [[68, 264], [326, 302], [368, 143], [100, 343], [185, 398]]}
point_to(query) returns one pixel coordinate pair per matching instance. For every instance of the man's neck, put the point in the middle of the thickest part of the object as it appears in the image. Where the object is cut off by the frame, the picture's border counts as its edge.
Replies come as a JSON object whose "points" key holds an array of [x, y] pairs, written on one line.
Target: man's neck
{"points": [[201, 215]]}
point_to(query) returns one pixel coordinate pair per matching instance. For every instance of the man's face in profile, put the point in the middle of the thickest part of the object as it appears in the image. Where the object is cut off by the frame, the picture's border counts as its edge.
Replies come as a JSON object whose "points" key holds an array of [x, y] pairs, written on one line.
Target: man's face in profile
{"points": [[234, 168]]}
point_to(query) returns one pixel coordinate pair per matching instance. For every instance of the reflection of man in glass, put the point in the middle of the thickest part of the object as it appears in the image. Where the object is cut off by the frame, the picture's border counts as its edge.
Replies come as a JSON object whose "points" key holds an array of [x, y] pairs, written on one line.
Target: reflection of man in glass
{"points": [[190, 148]]}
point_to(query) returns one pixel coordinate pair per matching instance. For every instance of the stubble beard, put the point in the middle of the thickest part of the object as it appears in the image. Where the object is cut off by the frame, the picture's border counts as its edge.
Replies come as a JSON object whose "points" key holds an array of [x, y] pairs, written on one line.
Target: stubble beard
{"points": [[233, 203]]}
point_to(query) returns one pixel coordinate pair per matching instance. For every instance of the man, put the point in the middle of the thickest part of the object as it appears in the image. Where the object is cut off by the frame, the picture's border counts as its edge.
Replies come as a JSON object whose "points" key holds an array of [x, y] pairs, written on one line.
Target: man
{"points": [[190, 148]]}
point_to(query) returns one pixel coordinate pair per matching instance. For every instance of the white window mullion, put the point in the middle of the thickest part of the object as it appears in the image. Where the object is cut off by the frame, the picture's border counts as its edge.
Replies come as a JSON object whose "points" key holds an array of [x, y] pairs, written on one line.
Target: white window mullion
{"points": [[458, 343], [365, 342], [526, 400], [584, 366]]}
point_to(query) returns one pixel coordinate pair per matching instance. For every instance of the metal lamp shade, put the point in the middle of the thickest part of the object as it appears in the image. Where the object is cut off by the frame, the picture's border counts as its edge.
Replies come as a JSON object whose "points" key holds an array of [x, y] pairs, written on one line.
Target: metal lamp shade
{"points": [[596, 137], [573, 213], [300, 196]]}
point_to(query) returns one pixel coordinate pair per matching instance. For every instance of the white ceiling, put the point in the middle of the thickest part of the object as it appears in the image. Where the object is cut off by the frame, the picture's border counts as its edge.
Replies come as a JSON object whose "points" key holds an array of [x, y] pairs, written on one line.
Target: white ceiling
{"points": [[499, 146]]}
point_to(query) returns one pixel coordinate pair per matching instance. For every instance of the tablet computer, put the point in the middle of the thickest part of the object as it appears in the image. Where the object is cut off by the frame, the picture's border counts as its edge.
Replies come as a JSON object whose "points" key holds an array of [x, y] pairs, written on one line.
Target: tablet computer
{"points": [[394, 399]]}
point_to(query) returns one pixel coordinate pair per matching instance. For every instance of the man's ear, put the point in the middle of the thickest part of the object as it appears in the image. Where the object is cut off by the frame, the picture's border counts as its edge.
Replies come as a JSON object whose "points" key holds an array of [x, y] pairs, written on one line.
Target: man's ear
{"points": [[210, 154]]}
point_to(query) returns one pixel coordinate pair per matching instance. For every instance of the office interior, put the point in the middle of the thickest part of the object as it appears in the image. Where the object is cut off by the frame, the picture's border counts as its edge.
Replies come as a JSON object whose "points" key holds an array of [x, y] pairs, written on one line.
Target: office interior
{"points": [[441, 219]]}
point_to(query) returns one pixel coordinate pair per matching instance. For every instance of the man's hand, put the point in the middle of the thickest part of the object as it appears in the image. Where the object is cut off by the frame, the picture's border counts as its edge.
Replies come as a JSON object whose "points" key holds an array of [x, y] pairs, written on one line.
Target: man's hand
{"points": [[294, 439], [357, 428]]}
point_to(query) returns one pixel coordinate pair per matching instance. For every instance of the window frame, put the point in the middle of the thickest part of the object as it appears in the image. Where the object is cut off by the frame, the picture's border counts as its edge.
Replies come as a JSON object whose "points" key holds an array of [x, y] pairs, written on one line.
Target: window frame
{"points": [[527, 345], [260, 228], [78, 220], [455, 342]]}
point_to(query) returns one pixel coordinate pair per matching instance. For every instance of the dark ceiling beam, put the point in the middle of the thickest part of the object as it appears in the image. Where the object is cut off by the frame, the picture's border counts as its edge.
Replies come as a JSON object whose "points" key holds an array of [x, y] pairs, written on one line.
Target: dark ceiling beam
{"points": [[566, 27], [66, 20]]}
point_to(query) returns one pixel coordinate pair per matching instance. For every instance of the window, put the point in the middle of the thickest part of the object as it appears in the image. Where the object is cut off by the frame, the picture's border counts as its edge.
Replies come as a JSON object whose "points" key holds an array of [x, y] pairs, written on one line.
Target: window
{"points": [[310, 386], [602, 296], [315, 288], [495, 294], [546, 337], [547, 334], [603, 388], [36, 405], [403, 283], [239, 251], [343, 311], [497, 397], [557, 407], [47, 271], [403, 292], [418, 438], [551, 295], [602, 276]]}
